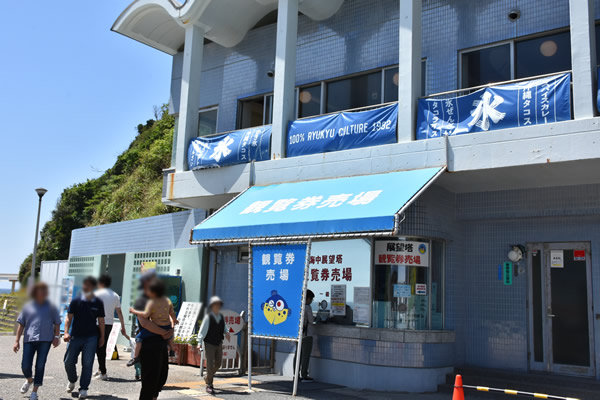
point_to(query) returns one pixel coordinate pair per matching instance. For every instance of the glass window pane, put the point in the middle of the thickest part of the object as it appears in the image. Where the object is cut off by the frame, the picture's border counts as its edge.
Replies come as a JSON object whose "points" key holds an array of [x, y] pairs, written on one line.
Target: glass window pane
{"points": [[597, 43], [358, 91], [400, 312], [390, 85], [268, 110], [437, 284], [251, 113], [543, 55], [480, 67], [309, 101], [207, 122], [338, 262]]}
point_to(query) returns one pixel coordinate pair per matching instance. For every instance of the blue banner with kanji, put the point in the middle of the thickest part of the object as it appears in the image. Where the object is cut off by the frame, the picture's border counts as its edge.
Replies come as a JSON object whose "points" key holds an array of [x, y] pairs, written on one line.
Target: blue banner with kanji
{"points": [[342, 131], [277, 285], [237, 147], [534, 102]]}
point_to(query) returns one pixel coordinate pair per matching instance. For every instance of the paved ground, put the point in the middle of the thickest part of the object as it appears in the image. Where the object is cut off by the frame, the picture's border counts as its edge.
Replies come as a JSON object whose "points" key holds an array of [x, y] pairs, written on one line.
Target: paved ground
{"points": [[183, 384]]}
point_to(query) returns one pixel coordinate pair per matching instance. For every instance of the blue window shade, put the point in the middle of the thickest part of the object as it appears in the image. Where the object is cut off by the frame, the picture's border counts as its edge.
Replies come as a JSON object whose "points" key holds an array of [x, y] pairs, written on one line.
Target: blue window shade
{"points": [[359, 204]]}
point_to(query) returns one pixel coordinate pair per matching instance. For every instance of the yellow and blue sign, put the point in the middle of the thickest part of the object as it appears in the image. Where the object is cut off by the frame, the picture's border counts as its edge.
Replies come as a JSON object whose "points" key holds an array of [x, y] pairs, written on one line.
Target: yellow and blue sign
{"points": [[277, 285]]}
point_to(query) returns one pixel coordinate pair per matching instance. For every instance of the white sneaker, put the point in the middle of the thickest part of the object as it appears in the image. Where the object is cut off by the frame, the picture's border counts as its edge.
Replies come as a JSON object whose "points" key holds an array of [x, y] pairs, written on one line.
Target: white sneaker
{"points": [[33, 396], [103, 377], [25, 387], [70, 387], [97, 374], [83, 394]]}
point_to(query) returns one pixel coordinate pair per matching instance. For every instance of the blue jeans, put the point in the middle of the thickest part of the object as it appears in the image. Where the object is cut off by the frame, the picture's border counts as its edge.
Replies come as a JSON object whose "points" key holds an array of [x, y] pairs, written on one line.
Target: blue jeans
{"points": [[87, 347], [29, 350]]}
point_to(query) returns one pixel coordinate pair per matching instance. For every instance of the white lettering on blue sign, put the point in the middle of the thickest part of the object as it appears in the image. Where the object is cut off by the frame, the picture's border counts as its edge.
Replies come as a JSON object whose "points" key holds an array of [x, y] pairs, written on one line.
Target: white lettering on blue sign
{"points": [[270, 274], [289, 258], [284, 274], [277, 259], [484, 111], [336, 200], [222, 149], [266, 259]]}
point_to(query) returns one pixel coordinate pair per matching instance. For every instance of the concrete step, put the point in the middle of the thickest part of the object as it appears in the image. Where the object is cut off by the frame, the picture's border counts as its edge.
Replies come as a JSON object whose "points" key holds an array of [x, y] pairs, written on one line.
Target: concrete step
{"points": [[550, 384]]}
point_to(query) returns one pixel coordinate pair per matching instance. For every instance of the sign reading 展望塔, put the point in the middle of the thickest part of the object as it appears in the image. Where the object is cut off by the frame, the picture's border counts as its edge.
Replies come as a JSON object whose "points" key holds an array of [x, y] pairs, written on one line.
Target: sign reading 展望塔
{"points": [[237, 147], [342, 131], [277, 286], [396, 252], [534, 102]]}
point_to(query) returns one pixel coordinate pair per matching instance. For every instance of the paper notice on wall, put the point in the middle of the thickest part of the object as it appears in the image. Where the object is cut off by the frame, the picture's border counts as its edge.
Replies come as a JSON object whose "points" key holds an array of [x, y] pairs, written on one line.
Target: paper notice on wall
{"points": [[362, 305], [557, 259], [338, 300], [402, 291], [421, 289], [579, 255], [187, 317]]}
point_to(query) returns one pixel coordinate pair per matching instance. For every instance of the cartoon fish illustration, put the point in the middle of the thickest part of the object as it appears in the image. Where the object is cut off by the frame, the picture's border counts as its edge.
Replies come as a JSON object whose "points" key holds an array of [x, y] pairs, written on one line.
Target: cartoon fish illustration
{"points": [[275, 309]]}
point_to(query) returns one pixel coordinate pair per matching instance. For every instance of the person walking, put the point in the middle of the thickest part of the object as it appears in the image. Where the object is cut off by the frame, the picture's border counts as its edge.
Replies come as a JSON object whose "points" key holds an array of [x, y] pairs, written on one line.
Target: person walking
{"points": [[308, 329], [84, 331], [212, 332], [153, 357], [39, 324], [112, 304]]}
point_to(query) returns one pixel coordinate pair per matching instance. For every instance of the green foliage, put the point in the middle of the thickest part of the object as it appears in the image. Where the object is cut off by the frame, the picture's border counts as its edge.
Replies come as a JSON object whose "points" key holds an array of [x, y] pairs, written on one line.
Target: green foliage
{"points": [[130, 189]]}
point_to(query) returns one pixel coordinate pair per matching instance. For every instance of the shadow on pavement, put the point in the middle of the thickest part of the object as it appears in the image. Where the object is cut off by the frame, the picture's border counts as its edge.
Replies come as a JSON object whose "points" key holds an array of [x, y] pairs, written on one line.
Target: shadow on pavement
{"points": [[10, 376]]}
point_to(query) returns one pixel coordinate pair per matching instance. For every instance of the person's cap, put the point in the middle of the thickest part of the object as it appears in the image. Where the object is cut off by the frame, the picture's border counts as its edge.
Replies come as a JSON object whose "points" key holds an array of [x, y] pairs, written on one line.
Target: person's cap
{"points": [[215, 300], [146, 277]]}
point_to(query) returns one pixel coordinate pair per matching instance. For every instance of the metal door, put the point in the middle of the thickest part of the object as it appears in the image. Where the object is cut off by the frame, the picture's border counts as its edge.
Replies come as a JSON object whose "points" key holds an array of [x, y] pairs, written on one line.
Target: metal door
{"points": [[560, 308]]}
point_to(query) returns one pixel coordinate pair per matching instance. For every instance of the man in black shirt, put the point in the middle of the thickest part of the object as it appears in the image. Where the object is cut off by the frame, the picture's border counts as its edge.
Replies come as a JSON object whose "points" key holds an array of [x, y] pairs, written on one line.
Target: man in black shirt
{"points": [[84, 331]]}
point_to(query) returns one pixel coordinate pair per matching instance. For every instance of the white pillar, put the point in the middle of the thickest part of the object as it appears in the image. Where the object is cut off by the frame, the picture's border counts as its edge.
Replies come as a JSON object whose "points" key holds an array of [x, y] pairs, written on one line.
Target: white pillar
{"points": [[409, 68], [285, 74], [583, 57], [187, 128]]}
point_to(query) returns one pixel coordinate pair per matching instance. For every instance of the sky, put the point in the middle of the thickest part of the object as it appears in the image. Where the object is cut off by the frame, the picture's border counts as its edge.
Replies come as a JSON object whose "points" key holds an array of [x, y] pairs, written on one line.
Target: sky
{"points": [[72, 93]]}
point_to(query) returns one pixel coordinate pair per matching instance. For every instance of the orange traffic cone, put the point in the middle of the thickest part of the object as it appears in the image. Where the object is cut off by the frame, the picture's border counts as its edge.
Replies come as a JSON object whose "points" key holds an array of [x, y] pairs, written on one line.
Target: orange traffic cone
{"points": [[459, 393]]}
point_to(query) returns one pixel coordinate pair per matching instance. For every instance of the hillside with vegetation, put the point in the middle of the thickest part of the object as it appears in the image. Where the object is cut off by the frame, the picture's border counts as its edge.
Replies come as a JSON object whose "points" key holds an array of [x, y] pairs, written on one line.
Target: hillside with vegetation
{"points": [[130, 189]]}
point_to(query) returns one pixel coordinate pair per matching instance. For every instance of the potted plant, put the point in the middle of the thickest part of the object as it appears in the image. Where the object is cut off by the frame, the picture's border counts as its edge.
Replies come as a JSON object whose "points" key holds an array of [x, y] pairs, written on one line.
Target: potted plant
{"points": [[180, 349], [193, 355]]}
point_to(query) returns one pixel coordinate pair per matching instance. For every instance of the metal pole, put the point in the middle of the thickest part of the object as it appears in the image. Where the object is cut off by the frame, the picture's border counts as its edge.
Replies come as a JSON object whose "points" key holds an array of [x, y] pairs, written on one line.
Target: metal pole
{"points": [[299, 348], [37, 229], [249, 316]]}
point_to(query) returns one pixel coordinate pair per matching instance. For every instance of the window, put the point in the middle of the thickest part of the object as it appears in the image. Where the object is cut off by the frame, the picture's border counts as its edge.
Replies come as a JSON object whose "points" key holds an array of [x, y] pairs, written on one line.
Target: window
{"points": [[487, 65], [543, 55], [309, 101], [256, 111], [516, 59], [354, 92], [346, 263], [390, 83], [408, 294], [207, 121]]}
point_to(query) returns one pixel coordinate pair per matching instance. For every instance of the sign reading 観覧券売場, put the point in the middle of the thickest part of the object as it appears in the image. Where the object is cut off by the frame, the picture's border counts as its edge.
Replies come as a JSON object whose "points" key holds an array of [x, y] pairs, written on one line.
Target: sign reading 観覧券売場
{"points": [[277, 285], [534, 102], [397, 252], [342, 131], [237, 147]]}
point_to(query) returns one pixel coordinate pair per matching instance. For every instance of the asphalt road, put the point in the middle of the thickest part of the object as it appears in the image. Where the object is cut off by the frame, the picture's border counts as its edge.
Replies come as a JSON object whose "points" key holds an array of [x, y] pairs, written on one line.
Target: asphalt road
{"points": [[183, 383]]}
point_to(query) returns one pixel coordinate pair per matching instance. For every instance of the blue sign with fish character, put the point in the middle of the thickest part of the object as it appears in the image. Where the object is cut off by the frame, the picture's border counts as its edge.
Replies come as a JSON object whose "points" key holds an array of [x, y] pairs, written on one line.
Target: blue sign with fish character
{"points": [[277, 285], [534, 102]]}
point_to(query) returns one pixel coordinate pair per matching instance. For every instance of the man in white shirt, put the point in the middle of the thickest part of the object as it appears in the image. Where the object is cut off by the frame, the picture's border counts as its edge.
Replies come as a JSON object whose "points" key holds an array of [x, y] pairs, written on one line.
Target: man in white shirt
{"points": [[112, 304]]}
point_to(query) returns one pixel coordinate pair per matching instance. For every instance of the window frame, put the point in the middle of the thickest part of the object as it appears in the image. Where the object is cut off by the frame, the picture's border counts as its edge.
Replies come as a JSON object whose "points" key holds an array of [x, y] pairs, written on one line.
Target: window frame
{"points": [[512, 42], [208, 109], [267, 102]]}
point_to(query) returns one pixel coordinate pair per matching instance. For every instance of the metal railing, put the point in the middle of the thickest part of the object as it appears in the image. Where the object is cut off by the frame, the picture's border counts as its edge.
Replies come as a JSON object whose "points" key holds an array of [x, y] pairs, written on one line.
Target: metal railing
{"points": [[464, 91]]}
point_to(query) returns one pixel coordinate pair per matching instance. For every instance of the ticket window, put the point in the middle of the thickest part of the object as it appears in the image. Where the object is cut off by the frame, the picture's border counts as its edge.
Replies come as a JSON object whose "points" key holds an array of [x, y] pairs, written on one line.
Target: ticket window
{"points": [[407, 284]]}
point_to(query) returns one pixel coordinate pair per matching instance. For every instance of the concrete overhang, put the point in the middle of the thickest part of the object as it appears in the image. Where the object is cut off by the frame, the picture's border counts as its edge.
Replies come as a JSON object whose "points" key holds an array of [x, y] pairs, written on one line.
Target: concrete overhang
{"points": [[161, 23], [561, 154]]}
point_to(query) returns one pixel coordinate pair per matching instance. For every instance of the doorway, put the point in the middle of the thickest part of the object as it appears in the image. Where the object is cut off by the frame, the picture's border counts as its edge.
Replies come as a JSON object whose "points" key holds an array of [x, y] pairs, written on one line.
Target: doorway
{"points": [[114, 265], [560, 308]]}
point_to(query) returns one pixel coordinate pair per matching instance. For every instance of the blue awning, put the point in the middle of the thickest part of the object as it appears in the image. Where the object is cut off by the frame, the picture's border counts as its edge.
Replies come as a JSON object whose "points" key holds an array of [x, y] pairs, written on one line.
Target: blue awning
{"points": [[358, 205]]}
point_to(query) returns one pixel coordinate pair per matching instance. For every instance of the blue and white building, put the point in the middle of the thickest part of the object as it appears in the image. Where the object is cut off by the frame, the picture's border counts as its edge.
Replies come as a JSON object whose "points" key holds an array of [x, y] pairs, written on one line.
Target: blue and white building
{"points": [[479, 115]]}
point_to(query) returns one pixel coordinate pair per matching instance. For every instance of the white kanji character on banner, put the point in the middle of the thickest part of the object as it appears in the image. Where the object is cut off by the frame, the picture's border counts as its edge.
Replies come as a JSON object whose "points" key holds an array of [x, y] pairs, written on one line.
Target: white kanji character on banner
{"points": [[289, 258], [335, 200], [266, 259], [256, 207], [283, 274], [280, 205], [277, 259], [270, 274], [365, 197], [307, 202]]}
